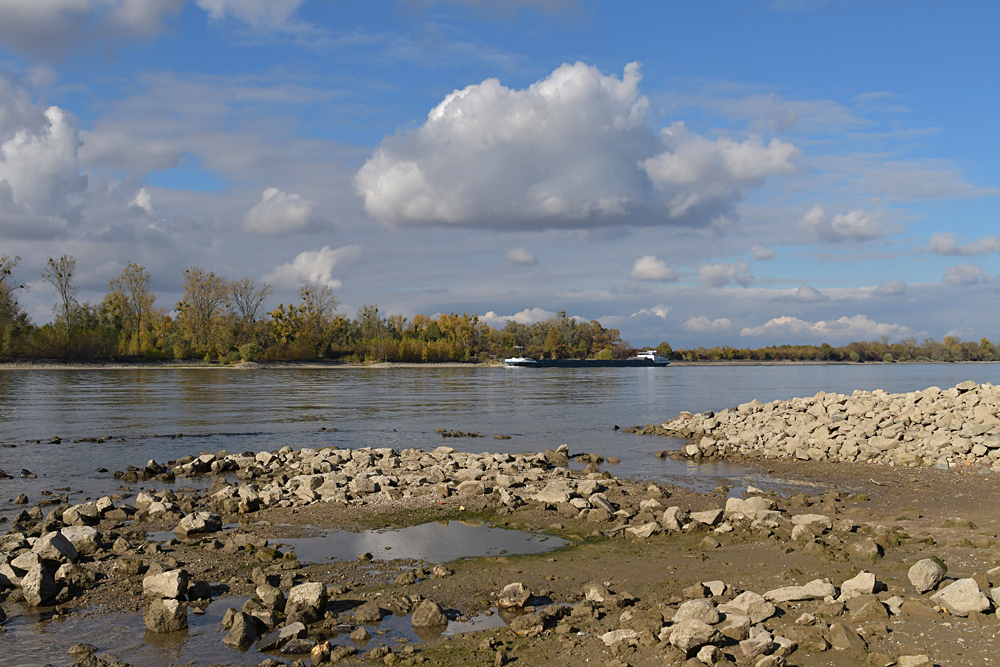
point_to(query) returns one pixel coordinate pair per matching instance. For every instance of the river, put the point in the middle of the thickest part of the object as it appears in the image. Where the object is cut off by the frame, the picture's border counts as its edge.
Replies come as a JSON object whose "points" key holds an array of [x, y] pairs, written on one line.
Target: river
{"points": [[399, 407]]}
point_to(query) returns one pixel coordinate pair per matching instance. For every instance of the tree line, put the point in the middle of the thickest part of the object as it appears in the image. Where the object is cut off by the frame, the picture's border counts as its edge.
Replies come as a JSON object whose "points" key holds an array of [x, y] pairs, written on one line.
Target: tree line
{"points": [[224, 320], [227, 321]]}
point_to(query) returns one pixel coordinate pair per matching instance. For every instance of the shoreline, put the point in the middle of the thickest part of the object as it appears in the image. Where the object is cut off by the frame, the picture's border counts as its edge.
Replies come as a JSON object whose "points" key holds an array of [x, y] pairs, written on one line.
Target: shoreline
{"points": [[46, 365], [602, 594]]}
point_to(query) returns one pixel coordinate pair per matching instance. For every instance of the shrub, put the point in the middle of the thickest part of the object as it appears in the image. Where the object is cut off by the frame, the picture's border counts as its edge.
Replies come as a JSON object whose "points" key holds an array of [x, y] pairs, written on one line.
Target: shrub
{"points": [[232, 357], [249, 352], [887, 358]]}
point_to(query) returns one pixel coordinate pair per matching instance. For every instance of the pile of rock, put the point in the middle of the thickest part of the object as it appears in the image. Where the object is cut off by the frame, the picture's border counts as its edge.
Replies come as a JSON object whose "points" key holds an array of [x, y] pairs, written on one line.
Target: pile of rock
{"points": [[294, 478], [297, 623], [958, 426], [44, 568]]}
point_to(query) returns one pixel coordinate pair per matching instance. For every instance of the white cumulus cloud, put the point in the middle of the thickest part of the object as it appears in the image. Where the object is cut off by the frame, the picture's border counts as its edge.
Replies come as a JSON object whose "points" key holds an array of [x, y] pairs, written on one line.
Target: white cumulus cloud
{"points": [[278, 212], [857, 225], [963, 274], [526, 316], [705, 178], [703, 324], [947, 244], [859, 327], [762, 253], [314, 267], [658, 310], [649, 267], [521, 256], [572, 150], [720, 275], [41, 188]]}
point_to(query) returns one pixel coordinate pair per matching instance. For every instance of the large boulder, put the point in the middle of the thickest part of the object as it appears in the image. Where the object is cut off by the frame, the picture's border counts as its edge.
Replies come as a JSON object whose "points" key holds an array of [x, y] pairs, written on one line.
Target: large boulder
{"points": [[926, 574], [54, 546], [85, 540], [368, 612], [242, 632], [690, 635], [962, 597], [38, 586], [428, 614], [514, 595], [82, 515], [199, 523], [862, 584], [306, 602], [166, 585], [271, 597], [164, 616], [749, 604], [697, 610]]}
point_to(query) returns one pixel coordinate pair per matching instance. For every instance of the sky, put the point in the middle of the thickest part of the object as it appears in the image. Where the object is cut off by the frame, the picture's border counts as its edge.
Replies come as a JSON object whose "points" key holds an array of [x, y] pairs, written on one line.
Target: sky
{"points": [[723, 172]]}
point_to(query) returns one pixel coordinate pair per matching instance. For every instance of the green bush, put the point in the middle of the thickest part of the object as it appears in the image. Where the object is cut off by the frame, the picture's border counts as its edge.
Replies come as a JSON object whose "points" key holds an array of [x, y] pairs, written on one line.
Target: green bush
{"points": [[887, 358], [232, 357], [249, 352]]}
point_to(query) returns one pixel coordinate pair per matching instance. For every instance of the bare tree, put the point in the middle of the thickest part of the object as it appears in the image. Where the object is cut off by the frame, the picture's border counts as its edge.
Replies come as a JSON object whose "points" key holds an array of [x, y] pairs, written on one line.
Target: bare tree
{"points": [[9, 307], [204, 294], [246, 306], [59, 274]]}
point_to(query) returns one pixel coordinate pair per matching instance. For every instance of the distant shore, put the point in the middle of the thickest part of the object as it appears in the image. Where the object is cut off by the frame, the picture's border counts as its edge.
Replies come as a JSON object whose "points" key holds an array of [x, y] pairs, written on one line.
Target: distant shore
{"points": [[53, 365]]}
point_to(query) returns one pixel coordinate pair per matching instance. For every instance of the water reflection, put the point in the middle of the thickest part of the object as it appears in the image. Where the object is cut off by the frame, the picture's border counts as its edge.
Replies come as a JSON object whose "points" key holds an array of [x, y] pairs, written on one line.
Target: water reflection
{"points": [[436, 542]]}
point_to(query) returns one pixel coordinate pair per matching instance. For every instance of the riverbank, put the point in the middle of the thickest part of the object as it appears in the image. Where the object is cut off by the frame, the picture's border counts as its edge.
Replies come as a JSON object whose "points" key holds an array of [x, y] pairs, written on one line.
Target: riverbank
{"points": [[322, 365], [649, 575]]}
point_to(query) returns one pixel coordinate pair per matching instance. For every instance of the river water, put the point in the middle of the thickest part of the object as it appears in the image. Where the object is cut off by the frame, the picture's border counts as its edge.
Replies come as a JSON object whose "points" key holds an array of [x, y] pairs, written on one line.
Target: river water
{"points": [[238, 410]]}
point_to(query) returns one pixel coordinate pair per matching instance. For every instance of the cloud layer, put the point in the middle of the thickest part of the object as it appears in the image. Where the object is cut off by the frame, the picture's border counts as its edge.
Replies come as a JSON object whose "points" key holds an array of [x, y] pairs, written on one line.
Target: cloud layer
{"points": [[279, 212], [315, 267]]}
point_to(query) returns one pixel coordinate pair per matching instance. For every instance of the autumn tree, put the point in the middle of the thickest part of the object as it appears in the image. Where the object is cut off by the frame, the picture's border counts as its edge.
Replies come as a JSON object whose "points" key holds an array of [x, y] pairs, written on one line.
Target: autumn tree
{"points": [[130, 301], [59, 273], [200, 307]]}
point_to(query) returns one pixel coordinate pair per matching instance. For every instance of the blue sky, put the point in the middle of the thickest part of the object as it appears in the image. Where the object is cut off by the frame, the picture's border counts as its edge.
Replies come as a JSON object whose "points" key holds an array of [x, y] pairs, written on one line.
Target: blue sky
{"points": [[740, 173]]}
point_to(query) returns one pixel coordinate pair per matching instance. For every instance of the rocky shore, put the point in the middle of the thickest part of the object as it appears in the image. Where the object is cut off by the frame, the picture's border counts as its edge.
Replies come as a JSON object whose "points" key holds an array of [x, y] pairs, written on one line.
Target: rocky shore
{"points": [[959, 426], [897, 567]]}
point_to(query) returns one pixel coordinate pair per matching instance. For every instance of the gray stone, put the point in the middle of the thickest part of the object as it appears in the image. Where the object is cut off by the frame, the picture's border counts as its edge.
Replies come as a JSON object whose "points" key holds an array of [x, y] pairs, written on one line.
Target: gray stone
{"points": [[54, 546], [514, 595], [697, 610], [242, 630], [428, 614], [164, 616], [689, 635], [843, 638], [751, 605], [643, 531], [865, 550], [962, 597], [913, 661], [282, 636], [862, 584], [167, 585], [926, 574], [618, 636], [271, 597], [38, 586], [674, 518], [708, 517], [199, 523], [85, 540], [555, 492], [814, 590], [368, 612]]}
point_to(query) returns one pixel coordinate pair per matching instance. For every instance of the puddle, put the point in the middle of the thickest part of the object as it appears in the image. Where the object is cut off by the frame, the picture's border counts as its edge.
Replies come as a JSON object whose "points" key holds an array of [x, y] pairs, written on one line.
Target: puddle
{"points": [[35, 641], [436, 542]]}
